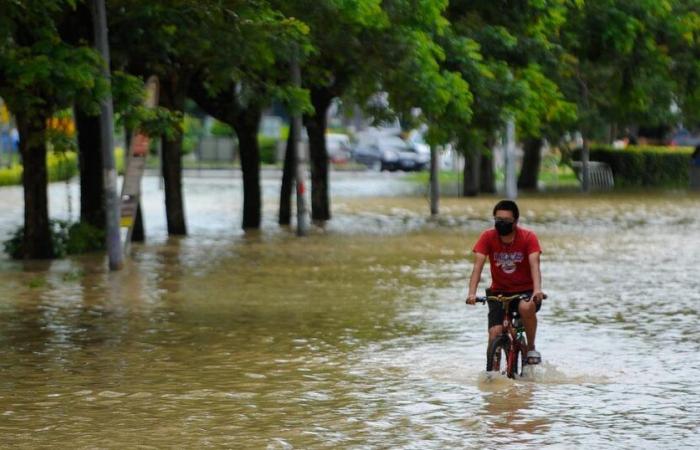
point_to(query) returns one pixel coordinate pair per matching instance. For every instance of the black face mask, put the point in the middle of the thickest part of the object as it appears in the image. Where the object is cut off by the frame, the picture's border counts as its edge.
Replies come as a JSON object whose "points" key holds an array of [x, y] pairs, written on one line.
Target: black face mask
{"points": [[504, 227]]}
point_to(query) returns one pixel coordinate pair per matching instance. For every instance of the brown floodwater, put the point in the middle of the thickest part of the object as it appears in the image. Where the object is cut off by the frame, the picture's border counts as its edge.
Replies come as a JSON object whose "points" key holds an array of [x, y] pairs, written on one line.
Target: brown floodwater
{"points": [[356, 336]]}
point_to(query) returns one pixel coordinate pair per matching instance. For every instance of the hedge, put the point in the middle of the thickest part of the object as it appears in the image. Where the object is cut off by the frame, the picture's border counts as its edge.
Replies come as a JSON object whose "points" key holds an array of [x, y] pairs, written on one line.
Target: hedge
{"points": [[60, 167], [268, 149], [646, 166]]}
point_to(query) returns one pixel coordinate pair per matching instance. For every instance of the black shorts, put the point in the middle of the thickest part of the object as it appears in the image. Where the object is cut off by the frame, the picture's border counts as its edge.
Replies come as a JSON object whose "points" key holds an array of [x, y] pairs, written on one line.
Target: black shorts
{"points": [[496, 311]]}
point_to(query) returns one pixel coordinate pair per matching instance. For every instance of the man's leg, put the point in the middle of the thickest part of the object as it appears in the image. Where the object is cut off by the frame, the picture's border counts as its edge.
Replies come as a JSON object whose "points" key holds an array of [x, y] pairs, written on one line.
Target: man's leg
{"points": [[494, 332], [528, 312]]}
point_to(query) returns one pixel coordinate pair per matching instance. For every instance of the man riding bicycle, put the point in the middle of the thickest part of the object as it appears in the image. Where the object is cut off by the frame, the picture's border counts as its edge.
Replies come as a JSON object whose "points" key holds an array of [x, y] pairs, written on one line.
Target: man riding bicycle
{"points": [[514, 258]]}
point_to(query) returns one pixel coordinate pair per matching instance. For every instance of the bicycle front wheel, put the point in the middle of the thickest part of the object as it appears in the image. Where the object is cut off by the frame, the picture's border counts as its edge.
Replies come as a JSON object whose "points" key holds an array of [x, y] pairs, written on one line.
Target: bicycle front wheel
{"points": [[519, 361], [497, 355]]}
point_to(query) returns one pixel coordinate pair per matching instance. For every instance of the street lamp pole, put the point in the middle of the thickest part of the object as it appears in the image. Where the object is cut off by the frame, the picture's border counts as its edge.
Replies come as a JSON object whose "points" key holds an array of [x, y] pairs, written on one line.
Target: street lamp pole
{"points": [[510, 177], [114, 248], [302, 222]]}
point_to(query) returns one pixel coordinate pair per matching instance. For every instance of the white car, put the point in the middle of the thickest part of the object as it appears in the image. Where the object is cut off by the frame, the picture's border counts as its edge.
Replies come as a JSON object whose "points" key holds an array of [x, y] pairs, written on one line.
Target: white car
{"points": [[338, 147]]}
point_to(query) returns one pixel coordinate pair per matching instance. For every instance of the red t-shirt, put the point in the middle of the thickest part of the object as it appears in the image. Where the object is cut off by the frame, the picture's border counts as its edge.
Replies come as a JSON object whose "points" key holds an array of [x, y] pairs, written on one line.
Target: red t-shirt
{"points": [[510, 265]]}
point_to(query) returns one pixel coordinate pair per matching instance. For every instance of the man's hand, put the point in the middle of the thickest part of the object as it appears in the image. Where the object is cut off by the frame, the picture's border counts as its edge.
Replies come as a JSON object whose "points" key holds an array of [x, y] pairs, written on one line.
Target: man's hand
{"points": [[538, 296], [471, 299]]}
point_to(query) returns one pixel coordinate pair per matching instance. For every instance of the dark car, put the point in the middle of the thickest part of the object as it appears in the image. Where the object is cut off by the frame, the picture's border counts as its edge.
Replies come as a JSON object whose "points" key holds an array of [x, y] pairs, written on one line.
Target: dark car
{"points": [[391, 152], [380, 153]]}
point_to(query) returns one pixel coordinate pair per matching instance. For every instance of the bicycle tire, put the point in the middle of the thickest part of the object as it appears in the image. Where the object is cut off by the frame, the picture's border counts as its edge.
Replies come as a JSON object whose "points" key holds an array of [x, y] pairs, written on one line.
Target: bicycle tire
{"points": [[497, 353], [518, 364]]}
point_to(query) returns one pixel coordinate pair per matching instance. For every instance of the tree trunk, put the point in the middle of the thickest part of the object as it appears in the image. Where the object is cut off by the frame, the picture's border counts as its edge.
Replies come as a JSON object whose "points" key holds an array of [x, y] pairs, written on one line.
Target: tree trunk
{"points": [[487, 181], [246, 125], [138, 234], [472, 173], [318, 155], [531, 164], [285, 214], [172, 96], [36, 243], [92, 192]]}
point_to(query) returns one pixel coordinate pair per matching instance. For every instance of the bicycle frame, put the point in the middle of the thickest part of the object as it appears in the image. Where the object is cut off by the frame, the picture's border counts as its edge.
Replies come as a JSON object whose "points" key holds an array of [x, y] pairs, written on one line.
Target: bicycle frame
{"points": [[513, 330]]}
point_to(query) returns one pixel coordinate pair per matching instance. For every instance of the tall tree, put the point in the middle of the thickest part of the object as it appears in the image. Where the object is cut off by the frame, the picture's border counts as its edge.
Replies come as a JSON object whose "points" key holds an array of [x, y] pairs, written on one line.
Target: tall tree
{"points": [[616, 66], [513, 41], [244, 70], [39, 74], [682, 35], [168, 40], [366, 47]]}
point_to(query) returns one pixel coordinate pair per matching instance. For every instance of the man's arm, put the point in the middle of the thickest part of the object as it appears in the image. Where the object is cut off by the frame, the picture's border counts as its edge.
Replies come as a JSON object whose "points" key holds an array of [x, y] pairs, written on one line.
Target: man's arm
{"points": [[534, 259], [479, 260]]}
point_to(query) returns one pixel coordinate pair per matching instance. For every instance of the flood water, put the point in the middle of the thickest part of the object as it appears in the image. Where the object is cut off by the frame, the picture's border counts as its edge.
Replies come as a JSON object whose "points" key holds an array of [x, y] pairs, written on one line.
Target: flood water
{"points": [[356, 336]]}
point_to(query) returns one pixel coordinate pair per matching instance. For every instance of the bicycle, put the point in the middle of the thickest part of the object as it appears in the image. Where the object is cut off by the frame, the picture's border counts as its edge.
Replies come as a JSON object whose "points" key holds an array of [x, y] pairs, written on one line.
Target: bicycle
{"points": [[507, 353]]}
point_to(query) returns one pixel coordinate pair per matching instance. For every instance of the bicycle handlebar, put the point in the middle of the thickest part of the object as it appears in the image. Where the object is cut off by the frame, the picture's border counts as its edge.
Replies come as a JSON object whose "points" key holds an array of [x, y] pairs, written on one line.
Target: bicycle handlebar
{"points": [[502, 299]]}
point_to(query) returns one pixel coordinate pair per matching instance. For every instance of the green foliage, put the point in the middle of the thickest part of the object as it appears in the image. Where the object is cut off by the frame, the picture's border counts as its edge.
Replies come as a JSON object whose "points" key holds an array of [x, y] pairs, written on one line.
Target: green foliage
{"points": [[268, 149], [128, 93], [616, 64], [507, 55], [645, 166], [40, 72], [84, 238], [192, 132], [66, 239], [221, 129]]}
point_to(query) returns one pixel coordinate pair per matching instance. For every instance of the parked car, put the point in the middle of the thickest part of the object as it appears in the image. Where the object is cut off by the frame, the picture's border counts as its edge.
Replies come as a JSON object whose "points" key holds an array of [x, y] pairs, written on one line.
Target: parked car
{"points": [[390, 152], [684, 138], [413, 158], [375, 157], [338, 147]]}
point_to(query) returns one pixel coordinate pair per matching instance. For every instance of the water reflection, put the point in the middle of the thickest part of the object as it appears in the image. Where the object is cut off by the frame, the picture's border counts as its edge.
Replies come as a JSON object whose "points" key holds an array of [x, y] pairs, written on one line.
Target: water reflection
{"points": [[357, 336], [512, 417]]}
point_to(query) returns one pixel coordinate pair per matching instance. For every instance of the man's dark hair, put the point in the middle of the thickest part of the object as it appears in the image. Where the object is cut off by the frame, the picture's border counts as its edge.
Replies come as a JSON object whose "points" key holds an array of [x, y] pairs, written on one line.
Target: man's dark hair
{"points": [[507, 205]]}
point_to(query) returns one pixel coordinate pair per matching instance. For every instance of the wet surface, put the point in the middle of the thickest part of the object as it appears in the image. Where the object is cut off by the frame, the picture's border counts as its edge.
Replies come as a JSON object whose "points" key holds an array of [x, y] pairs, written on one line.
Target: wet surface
{"points": [[356, 336]]}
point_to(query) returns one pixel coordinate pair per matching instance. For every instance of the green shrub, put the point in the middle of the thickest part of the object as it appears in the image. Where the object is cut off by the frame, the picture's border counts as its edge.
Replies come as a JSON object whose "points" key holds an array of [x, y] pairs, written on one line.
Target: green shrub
{"points": [[60, 166], [268, 149], [221, 129], [11, 175], [66, 239], [84, 238], [191, 133], [646, 166]]}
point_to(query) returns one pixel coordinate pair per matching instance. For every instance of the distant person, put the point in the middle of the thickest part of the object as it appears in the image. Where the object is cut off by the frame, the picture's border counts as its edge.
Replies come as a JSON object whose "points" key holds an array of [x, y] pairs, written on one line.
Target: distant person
{"points": [[514, 258], [14, 138]]}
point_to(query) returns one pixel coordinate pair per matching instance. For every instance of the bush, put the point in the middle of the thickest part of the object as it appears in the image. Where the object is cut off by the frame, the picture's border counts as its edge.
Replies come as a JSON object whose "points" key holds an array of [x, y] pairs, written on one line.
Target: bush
{"points": [[645, 166], [268, 149], [191, 133], [66, 239], [11, 175], [221, 129], [60, 166]]}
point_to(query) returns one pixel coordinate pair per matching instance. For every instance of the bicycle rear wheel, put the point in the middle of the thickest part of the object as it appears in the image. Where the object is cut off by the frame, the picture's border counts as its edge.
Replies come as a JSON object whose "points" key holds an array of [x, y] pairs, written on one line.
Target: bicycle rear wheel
{"points": [[497, 355]]}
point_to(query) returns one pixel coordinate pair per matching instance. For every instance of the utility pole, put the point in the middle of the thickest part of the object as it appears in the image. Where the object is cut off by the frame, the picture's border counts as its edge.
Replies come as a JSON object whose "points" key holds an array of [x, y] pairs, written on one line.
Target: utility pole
{"points": [[114, 248], [302, 222], [585, 167], [434, 181], [511, 184]]}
